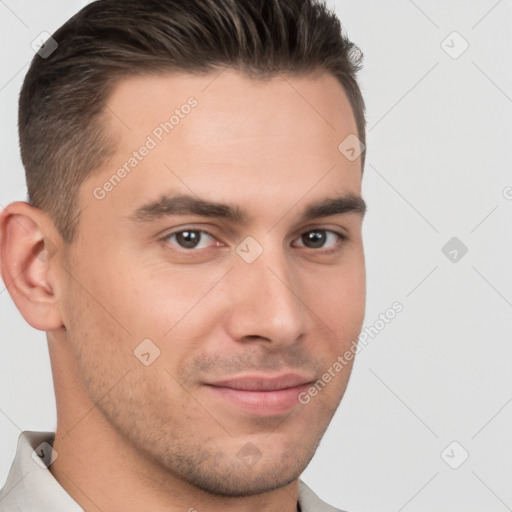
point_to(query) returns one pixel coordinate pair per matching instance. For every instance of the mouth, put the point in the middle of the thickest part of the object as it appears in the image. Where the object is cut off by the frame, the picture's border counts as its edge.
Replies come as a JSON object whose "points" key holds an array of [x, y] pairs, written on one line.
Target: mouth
{"points": [[261, 395]]}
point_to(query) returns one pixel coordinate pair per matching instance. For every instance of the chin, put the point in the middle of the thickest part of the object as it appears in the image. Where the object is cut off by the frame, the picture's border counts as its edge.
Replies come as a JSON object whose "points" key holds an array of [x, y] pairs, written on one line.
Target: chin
{"points": [[244, 481], [246, 473]]}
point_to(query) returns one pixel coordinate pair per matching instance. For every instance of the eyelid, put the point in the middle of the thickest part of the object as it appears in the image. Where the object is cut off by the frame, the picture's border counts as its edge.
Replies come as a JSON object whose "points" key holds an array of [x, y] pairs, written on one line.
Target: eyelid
{"points": [[341, 231]]}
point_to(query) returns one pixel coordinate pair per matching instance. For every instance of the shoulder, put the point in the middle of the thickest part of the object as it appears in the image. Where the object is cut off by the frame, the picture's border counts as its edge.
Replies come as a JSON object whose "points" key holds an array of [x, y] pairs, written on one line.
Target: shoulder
{"points": [[30, 485], [310, 502]]}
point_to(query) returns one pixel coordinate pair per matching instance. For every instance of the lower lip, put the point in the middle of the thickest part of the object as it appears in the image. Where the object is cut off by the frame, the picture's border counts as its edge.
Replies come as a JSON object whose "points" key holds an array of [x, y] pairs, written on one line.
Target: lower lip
{"points": [[261, 403]]}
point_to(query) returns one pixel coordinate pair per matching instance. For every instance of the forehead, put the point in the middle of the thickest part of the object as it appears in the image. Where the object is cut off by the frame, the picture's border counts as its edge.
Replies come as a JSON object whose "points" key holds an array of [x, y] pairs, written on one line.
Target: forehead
{"points": [[223, 135]]}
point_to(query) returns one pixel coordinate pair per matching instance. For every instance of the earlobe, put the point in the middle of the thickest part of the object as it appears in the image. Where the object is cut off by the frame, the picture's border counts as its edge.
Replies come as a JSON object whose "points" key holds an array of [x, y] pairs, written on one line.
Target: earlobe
{"points": [[26, 253]]}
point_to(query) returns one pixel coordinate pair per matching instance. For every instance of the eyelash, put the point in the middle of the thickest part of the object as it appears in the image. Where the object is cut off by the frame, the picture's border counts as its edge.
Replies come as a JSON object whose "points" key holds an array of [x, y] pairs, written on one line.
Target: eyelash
{"points": [[341, 238]]}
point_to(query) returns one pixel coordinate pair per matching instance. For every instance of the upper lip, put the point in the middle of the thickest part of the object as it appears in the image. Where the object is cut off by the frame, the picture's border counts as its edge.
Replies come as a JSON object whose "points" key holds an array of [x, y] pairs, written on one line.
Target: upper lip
{"points": [[262, 382]]}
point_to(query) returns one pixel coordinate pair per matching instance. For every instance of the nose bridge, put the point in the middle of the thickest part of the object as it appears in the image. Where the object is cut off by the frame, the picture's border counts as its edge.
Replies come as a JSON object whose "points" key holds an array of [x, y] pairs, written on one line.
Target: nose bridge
{"points": [[266, 303]]}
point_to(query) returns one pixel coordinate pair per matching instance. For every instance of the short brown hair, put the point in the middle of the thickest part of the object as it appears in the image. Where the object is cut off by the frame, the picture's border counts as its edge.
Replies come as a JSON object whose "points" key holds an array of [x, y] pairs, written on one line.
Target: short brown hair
{"points": [[63, 96]]}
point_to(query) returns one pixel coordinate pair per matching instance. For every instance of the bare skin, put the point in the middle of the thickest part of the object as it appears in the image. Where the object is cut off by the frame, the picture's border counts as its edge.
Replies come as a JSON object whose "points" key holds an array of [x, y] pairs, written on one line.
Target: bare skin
{"points": [[214, 422]]}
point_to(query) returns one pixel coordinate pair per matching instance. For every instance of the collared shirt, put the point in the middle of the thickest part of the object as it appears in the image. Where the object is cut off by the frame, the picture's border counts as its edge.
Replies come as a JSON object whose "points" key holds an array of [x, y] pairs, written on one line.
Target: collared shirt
{"points": [[30, 486]]}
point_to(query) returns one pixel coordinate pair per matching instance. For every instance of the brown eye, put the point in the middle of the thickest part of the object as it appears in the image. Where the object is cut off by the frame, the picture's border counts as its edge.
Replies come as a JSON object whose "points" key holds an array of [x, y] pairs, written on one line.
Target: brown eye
{"points": [[321, 239], [190, 239], [314, 239]]}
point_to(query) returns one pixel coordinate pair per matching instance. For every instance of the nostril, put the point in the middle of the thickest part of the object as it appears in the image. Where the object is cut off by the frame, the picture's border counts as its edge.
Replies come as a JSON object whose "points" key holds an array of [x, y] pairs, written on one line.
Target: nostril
{"points": [[255, 337]]}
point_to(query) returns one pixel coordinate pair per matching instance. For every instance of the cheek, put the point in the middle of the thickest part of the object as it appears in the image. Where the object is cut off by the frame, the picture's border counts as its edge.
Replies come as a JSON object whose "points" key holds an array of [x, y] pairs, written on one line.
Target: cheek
{"points": [[339, 299], [154, 299], [101, 348]]}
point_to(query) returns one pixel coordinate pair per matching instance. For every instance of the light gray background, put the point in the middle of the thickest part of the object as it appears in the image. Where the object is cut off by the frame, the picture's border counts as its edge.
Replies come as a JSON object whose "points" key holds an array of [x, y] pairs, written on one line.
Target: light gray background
{"points": [[438, 166]]}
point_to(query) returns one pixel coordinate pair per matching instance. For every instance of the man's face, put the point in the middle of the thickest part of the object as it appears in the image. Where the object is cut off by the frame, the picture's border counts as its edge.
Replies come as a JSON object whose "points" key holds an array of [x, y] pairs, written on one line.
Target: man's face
{"points": [[243, 326]]}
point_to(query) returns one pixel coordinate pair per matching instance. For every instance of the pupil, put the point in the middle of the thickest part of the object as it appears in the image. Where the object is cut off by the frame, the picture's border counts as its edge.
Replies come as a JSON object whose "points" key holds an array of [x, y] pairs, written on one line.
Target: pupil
{"points": [[188, 239], [314, 238]]}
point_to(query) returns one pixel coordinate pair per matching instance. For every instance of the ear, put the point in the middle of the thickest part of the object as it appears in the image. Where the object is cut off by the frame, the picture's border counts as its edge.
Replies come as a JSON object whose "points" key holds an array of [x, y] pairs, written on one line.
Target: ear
{"points": [[26, 253]]}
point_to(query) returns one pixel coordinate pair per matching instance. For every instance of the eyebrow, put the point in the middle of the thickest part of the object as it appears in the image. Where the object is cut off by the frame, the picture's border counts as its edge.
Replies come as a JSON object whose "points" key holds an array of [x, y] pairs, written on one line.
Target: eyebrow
{"points": [[184, 204]]}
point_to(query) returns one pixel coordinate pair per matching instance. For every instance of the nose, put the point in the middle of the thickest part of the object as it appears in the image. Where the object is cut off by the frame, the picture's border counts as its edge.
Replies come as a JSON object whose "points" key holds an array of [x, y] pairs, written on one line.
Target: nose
{"points": [[265, 301]]}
